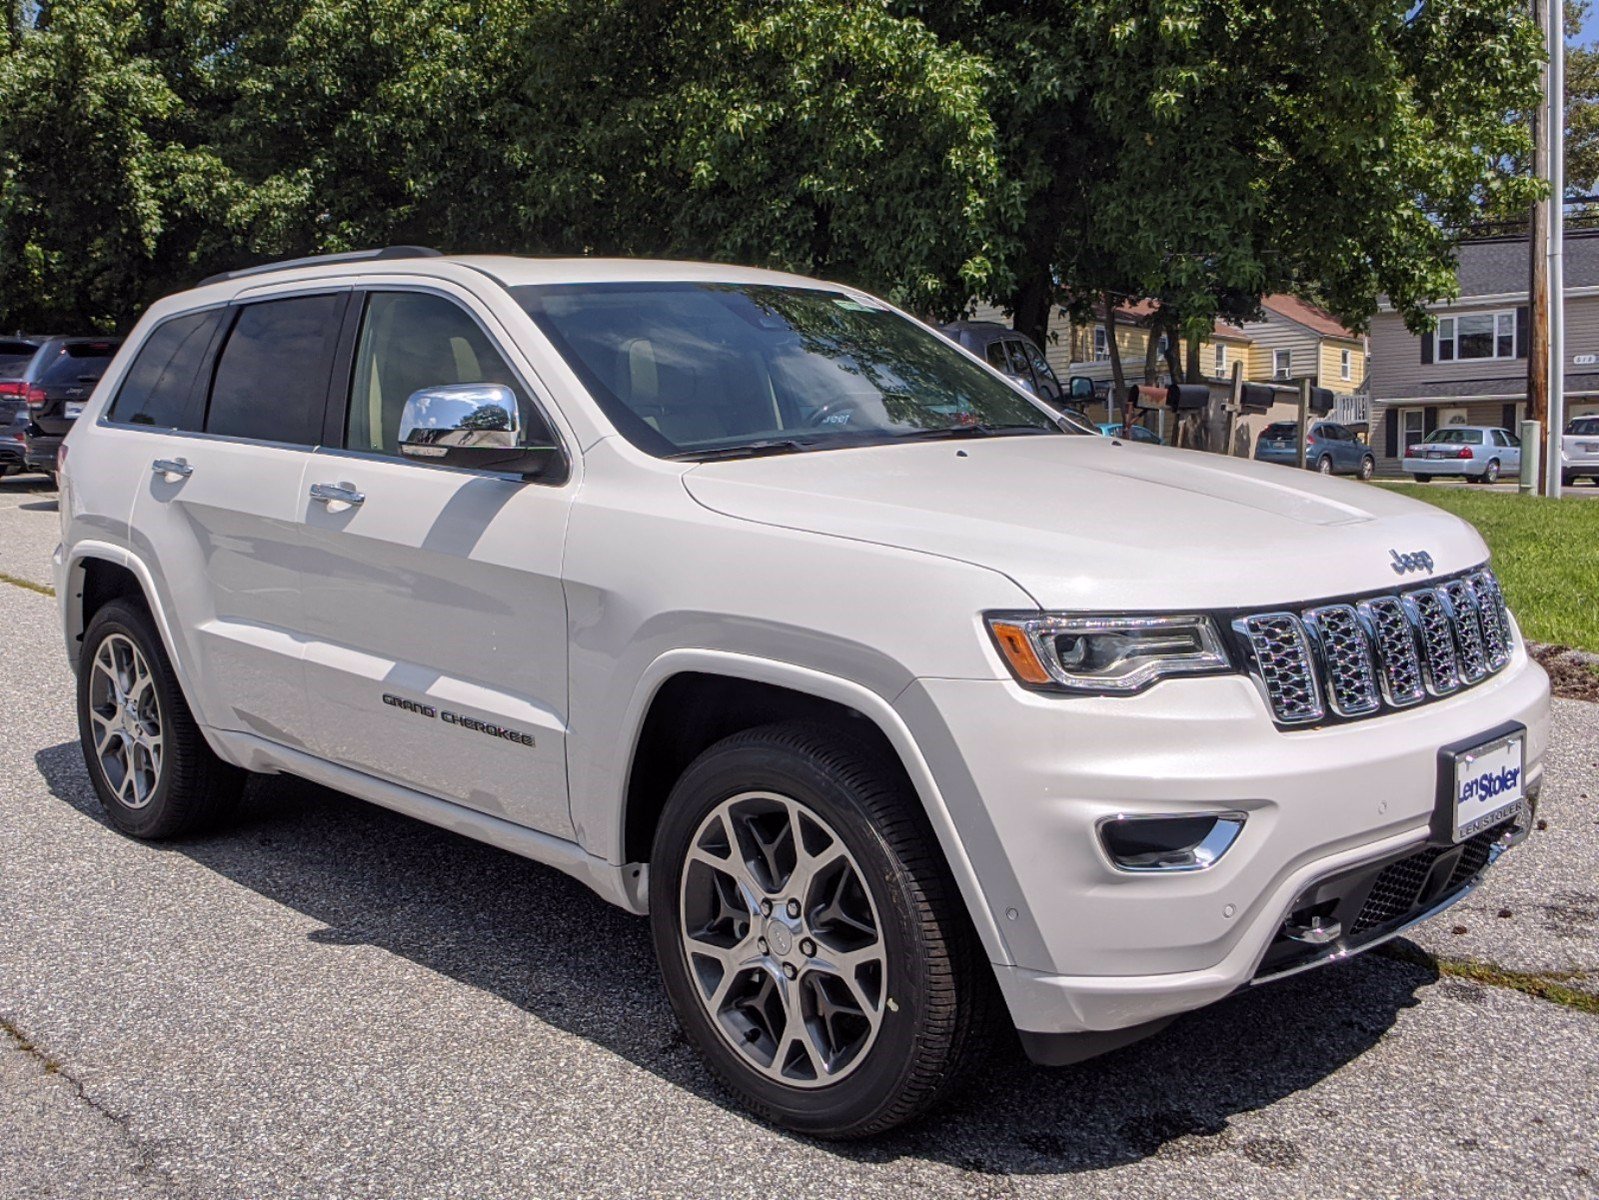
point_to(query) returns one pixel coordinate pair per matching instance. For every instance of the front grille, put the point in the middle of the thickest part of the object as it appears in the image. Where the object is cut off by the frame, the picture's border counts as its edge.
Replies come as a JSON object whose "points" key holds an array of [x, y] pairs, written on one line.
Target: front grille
{"points": [[1406, 886], [1351, 660]]}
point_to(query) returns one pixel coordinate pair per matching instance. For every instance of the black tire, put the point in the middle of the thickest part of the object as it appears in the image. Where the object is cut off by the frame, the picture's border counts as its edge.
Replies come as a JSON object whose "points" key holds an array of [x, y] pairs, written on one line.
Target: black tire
{"points": [[1368, 467], [194, 789], [1324, 465], [1422, 478], [1567, 479], [1490, 473], [938, 991]]}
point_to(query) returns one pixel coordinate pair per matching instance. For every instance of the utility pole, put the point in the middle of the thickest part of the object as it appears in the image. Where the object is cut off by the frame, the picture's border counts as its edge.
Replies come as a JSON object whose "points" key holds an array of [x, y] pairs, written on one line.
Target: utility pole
{"points": [[1555, 28], [1537, 249], [1304, 420]]}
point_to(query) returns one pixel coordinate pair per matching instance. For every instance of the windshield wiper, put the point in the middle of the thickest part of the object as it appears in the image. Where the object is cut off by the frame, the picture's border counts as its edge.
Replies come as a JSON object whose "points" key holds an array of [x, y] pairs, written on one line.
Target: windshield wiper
{"points": [[745, 450], [979, 429]]}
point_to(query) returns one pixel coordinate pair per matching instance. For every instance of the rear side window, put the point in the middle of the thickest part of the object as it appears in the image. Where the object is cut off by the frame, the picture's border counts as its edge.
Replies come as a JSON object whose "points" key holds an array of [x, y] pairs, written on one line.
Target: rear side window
{"points": [[159, 387], [271, 382], [77, 362], [14, 357]]}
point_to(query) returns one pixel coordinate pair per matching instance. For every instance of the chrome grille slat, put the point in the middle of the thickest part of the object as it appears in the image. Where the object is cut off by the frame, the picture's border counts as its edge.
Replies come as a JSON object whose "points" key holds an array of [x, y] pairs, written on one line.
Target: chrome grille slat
{"points": [[1431, 618], [1473, 656], [1346, 660], [1395, 639], [1282, 655], [1350, 660]]}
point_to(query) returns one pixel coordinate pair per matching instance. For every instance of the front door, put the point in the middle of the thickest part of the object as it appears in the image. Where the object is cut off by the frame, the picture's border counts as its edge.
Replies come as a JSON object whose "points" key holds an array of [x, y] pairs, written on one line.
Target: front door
{"points": [[435, 616]]}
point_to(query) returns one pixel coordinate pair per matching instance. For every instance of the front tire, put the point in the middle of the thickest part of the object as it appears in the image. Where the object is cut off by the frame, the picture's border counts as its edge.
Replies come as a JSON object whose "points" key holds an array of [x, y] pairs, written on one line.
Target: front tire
{"points": [[811, 941], [1368, 468], [147, 758]]}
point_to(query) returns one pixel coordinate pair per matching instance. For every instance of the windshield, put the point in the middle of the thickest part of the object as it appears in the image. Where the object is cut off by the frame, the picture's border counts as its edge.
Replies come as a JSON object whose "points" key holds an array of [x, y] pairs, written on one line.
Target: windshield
{"points": [[690, 369], [1584, 426], [1455, 437]]}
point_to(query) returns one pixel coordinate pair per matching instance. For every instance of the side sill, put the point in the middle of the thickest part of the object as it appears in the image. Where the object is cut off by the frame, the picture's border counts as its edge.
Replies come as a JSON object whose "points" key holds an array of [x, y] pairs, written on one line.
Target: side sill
{"points": [[620, 885]]}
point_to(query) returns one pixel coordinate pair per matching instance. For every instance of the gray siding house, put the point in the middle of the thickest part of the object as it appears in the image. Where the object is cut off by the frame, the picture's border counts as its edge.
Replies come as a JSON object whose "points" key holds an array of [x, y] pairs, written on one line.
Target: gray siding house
{"points": [[1472, 369]]}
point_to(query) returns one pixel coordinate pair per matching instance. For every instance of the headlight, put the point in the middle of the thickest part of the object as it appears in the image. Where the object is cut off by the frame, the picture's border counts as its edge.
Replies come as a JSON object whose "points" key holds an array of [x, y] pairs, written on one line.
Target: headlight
{"points": [[1107, 655]]}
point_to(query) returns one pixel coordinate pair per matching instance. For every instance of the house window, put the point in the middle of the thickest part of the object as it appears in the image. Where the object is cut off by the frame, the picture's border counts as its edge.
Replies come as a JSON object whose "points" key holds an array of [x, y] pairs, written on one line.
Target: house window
{"points": [[1101, 345], [1345, 364], [1477, 335], [1282, 363], [1221, 359]]}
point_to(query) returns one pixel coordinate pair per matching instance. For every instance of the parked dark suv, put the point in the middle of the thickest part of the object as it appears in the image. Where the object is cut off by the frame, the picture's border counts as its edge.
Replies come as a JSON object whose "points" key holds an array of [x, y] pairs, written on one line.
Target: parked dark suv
{"points": [[1010, 353], [58, 380], [15, 355]]}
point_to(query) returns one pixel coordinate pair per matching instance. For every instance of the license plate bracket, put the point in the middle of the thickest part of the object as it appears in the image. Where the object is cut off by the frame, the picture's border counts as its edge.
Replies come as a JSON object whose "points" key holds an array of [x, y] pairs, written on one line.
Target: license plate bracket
{"points": [[1481, 782]]}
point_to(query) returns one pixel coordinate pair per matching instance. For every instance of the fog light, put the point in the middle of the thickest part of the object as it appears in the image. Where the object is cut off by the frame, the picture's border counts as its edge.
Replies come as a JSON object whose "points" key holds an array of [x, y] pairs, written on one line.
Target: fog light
{"points": [[1169, 843]]}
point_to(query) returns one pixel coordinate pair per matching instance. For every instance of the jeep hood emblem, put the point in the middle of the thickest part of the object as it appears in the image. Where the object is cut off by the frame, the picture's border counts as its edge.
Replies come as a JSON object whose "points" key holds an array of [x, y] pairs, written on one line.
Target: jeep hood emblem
{"points": [[1417, 560]]}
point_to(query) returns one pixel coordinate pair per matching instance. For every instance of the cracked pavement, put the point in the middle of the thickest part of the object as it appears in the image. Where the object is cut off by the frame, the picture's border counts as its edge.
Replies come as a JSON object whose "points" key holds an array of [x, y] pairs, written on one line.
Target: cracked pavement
{"points": [[330, 1000]]}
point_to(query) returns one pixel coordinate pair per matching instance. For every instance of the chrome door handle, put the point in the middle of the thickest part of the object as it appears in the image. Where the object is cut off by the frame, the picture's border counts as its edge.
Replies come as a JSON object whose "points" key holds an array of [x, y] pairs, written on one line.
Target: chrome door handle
{"points": [[336, 493], [172, 469]]}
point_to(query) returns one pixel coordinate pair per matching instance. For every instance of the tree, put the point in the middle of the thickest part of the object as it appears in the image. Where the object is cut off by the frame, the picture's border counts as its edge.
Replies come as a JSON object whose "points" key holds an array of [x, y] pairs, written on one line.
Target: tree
{"points": [[1206, 152], [1582, 107]]}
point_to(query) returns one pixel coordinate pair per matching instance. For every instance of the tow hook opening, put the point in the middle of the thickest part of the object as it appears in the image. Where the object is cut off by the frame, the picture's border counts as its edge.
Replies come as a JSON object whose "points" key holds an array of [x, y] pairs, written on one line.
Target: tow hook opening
{"points": [[1182, 842], [1314, 924]]}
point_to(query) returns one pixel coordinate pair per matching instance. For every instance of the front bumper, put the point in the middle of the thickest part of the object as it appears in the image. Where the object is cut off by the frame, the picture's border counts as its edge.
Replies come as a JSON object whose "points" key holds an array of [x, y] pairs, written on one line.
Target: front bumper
{"points": [[1026, 778]]}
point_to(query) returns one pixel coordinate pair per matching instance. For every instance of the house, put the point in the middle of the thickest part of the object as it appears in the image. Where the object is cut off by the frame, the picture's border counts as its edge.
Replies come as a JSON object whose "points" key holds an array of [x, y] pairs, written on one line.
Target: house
{"points": [[1472, 368], [1293, 339]]}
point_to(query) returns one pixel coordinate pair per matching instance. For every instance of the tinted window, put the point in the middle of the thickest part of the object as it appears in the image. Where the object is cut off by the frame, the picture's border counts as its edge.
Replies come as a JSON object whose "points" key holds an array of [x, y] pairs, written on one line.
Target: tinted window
{"points": [[1584, 426], [996, 356], [1040, 366], [160, 384], [271, 382], [1278, 430], [1455, 436], [410, 341], [76, 362], [15, 357], [686, 368]]}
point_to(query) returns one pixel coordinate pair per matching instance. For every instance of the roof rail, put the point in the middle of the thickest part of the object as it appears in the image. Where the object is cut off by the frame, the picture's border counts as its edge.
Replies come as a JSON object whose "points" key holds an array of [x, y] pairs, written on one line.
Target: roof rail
{"points": [[314, 260]]}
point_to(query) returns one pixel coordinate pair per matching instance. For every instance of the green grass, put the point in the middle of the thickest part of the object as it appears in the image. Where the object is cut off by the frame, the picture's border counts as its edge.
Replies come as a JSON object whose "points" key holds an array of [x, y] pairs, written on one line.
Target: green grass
{"points": [[1545, 552]]}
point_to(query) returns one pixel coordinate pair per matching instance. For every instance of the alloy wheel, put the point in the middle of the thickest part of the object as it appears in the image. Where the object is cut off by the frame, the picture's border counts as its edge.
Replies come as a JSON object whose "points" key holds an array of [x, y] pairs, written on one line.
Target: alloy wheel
{"points": [[782, 939], [126, 719]]}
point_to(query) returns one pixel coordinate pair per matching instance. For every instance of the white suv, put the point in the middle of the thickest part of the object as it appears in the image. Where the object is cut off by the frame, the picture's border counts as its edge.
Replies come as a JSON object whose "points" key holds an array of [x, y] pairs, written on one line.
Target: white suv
{"points": [[764, 609]]}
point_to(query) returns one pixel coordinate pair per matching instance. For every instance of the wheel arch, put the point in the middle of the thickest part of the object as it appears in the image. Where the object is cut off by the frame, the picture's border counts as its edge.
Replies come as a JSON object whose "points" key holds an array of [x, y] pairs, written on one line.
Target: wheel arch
{"points": [[756, 692], [98, 572]]}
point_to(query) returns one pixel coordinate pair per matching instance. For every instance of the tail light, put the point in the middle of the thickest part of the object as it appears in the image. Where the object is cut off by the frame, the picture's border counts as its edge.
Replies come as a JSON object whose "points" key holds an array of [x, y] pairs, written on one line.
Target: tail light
{"points": [[1412, 451], [1463, 452], [13, 387], [36, 397]]}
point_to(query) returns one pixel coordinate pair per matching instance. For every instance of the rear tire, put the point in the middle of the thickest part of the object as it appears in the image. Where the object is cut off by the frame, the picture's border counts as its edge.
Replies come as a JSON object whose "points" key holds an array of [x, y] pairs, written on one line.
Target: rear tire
{"points": [[837, 1047], [1567, 479], [1324, 465], [146, 756], [1422, 478], [1490, 473]]}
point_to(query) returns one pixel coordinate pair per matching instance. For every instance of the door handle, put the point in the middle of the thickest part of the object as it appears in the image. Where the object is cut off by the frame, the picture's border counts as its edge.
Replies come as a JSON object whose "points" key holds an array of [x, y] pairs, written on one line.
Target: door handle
{"points": [[336, 493], [171, 469]]}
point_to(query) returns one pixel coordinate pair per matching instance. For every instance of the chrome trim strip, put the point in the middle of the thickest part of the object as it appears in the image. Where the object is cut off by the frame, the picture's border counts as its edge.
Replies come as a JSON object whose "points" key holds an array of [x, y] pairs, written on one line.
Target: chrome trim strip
{"points": [[1205, 854]]}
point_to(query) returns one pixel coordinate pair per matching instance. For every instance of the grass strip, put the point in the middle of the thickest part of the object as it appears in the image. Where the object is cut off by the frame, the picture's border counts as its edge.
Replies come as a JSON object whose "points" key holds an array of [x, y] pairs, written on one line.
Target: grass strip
{"points": [[1542, 985], [18, 581]]}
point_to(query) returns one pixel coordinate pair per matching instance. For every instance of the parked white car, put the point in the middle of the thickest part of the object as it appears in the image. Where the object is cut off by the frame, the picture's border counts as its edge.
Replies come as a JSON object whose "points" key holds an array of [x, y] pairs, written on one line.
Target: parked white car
{"points": [[762, 608], [1480, 453], [1579, 450]]}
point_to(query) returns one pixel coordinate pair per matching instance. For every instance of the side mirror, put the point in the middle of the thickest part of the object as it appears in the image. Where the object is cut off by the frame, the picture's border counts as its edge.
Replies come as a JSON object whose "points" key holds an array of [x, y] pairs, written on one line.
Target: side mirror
{"points": [[1081, 389], [476, 425]]}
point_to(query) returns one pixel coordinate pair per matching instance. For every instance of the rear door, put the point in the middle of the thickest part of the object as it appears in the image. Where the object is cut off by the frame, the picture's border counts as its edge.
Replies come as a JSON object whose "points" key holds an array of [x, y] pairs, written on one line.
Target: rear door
{"points": [[218, 510], [436, 651]]}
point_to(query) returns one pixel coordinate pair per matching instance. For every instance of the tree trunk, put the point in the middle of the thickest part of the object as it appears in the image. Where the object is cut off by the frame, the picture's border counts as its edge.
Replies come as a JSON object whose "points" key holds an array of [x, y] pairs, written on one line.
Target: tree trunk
{"points": [[1118, 397], [1152, 353], [1031, 304]]}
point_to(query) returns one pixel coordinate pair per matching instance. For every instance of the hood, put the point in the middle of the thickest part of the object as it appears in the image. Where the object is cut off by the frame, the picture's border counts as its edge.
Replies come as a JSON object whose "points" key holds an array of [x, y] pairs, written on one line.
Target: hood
{"points": [[1090, 523]]}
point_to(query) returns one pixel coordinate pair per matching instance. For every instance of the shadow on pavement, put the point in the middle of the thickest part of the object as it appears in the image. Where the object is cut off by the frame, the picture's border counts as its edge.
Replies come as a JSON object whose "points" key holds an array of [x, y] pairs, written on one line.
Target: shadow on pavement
{"points": [[543, 942]]}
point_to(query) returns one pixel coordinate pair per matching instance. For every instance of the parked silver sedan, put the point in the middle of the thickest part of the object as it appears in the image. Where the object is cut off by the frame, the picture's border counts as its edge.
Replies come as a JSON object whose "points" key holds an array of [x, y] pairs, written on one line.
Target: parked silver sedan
{"points": [[1480, 453], [1579, 450]]}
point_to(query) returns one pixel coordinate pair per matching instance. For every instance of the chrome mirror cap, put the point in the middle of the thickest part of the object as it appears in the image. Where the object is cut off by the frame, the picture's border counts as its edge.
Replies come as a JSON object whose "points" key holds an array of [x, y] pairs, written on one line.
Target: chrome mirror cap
{"points": [[436, 420]]}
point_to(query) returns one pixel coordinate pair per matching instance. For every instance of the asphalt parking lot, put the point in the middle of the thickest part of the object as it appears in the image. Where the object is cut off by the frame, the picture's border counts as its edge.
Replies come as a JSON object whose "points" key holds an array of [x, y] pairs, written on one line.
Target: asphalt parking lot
{"points": [[333, 1000]]}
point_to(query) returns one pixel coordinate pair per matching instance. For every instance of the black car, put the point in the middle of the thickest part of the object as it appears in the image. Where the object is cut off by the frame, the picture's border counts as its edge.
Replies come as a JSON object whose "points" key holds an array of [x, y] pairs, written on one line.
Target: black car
{"points": [[15, 355], [1010, 353], [56, 383]]}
